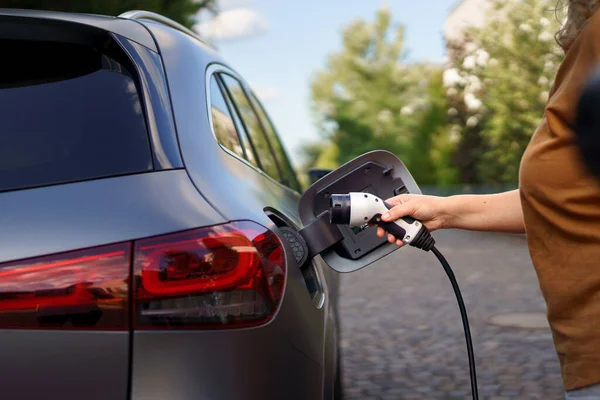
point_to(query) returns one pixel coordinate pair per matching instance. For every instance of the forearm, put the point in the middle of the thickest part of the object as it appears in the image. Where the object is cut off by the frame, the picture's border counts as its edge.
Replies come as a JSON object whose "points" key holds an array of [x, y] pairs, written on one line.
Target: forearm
{"points": [[499, 212]]}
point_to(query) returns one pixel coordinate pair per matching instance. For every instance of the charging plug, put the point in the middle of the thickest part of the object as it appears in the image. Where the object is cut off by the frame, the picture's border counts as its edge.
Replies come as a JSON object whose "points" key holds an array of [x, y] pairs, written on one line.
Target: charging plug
{"points": [[356, 209]]}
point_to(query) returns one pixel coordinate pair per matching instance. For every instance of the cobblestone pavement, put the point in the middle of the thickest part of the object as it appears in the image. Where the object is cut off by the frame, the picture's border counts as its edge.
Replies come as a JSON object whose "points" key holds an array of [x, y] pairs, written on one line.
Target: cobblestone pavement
{"points": [[402, 336]]}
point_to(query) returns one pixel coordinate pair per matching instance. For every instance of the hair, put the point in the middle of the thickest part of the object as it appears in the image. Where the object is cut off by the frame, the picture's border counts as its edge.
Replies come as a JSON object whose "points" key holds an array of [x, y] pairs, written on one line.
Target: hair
{"points": [[578, 12]]}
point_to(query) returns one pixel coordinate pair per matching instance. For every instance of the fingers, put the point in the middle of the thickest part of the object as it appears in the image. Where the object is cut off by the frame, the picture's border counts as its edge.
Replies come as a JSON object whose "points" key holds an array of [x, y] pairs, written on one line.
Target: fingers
{"points": [[398, 212], [392, 239], [397, 200], [381, 233], [401, 208]]}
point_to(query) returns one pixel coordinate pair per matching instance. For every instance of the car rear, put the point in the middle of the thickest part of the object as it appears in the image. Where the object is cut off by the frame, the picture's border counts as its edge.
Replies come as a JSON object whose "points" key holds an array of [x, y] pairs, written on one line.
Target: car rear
{"points": [[87, 195]]}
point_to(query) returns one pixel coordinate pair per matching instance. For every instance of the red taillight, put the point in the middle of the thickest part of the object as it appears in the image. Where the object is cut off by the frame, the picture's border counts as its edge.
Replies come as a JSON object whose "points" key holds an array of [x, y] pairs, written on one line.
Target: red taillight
{"points": [[224, 276], [80, 289]]}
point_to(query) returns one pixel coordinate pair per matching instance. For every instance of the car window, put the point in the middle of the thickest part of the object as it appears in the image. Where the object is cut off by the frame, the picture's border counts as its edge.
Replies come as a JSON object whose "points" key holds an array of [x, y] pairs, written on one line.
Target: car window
{"points": [[223, 125], [253, 127], [243, 135], [68, 113], [290, 178]]}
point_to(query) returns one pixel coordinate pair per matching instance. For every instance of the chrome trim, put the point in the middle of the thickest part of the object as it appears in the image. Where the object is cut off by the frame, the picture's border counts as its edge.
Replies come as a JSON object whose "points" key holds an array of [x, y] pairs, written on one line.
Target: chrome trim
{"points": [[210, 71], [138, 15]]}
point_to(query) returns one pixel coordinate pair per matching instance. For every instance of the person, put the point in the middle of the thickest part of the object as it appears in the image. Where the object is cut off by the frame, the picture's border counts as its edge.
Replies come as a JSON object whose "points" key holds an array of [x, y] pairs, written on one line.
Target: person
{"points": [[557, 205]]}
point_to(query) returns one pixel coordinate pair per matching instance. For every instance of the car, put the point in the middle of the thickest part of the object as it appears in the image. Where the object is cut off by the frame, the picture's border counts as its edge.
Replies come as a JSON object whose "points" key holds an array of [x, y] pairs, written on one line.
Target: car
{"points": [[142, 188], [155, 241]]}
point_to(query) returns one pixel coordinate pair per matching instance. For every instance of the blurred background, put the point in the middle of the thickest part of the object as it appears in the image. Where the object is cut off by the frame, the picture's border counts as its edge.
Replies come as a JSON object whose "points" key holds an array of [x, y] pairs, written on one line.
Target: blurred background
{"points": [[455, 88]]}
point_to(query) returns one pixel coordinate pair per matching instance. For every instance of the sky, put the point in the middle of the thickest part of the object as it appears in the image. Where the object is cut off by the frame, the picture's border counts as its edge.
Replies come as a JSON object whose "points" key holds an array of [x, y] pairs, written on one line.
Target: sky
{"points": [[276, 46]]}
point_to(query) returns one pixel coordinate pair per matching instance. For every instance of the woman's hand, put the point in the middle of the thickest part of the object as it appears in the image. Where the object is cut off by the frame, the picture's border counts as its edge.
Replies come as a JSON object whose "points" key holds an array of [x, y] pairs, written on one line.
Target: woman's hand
{"points": [[430, 210], [499, 212]]}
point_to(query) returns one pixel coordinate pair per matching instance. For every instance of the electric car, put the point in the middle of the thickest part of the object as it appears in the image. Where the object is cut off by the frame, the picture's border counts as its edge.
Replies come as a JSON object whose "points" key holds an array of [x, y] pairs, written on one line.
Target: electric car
{"points": [[142, 188], [154, 239]]}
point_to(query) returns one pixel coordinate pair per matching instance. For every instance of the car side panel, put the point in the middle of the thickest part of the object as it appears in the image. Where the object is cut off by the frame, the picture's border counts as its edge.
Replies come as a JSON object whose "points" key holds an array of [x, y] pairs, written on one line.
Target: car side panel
{"points": [[251, 364], [66, 365], [329, 325]]}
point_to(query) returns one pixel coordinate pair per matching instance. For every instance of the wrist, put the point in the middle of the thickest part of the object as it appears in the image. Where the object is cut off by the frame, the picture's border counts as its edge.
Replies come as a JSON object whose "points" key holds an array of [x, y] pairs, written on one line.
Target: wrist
{"points": [[451, 210]]}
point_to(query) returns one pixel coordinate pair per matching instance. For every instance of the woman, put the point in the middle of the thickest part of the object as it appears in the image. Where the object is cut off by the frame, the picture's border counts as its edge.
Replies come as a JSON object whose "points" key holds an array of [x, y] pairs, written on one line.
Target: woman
{"points": [[557, 205]]}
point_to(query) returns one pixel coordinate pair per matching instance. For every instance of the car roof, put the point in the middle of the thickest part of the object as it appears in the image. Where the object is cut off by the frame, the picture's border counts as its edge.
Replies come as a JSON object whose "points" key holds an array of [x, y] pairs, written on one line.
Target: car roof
{"points": [[125, 27], [148, 16]]}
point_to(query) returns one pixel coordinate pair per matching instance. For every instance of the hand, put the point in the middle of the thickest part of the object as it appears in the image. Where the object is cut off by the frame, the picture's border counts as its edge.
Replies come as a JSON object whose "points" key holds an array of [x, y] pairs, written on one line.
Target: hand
{"points": [[430, 210]]}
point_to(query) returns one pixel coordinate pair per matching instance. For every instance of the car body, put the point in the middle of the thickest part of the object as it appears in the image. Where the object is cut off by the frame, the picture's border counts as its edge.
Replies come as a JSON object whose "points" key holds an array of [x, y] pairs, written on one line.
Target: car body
{"points": [[123, 136]]}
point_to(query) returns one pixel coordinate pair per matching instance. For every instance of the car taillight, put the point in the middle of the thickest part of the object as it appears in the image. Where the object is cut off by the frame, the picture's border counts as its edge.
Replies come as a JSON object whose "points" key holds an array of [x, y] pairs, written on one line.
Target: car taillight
{"points": [[80, 289], [223, 276]]}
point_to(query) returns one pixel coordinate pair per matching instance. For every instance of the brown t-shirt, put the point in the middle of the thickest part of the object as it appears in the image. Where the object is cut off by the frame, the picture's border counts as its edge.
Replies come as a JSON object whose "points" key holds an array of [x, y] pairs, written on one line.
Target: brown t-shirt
{"points": [[561, 206]]}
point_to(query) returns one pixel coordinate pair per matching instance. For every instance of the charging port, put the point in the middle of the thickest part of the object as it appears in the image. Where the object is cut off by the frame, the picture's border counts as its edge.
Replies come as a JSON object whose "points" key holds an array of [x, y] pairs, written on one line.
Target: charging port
{"points": [[300, 250]]}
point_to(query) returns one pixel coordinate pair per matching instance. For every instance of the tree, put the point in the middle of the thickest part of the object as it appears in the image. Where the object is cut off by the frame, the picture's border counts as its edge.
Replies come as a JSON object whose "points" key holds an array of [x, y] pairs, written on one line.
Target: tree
{"points": [[498, 86], [182, 11], [366, 98], [431, 147]]}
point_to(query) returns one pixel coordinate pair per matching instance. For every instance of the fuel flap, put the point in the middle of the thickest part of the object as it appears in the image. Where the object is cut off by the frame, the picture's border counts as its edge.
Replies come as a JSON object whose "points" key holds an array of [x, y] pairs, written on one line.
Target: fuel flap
{"points": [[344, 248]]}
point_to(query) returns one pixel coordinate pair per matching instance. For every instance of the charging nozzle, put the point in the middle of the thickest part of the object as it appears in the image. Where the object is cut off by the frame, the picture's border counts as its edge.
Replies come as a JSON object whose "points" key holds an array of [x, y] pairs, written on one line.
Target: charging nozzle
{"points": [[339, 209], [356, 209]]}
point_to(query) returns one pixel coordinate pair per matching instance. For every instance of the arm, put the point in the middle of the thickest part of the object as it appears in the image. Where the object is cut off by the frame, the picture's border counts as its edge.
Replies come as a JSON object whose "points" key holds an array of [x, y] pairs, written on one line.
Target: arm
{"points": [[499, 212]]}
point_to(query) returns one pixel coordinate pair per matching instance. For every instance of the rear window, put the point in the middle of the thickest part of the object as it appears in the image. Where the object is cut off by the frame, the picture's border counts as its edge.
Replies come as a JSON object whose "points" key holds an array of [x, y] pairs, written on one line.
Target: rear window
{"points": [[68, 112]]}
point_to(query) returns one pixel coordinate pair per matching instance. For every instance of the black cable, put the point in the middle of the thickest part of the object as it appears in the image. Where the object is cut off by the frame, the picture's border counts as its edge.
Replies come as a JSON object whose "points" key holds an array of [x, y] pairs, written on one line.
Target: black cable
{"points": [[420, 239], [424, 241], [465, 320]]}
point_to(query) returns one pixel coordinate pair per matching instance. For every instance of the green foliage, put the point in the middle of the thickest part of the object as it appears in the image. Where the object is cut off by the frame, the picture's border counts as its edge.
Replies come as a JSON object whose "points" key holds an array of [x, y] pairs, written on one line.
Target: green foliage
{"points": [[367, 98], [178, 10], [431, 148], [470, 125], [502, 74]]}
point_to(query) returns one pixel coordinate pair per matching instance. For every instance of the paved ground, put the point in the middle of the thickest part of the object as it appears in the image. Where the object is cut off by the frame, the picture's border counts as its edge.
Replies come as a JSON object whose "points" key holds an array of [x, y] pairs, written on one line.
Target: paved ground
{"points": [[402, 335]]}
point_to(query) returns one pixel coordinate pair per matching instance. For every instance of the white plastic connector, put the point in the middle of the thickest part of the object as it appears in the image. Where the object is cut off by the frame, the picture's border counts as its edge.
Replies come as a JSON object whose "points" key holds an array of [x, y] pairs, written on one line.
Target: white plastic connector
{"points": [[366, 206]]}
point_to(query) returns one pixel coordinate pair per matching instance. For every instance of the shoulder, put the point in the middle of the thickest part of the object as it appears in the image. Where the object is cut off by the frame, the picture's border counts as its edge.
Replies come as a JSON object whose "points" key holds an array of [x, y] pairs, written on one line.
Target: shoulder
{"points": [[590, 34], [583, 55], [581, 59]]}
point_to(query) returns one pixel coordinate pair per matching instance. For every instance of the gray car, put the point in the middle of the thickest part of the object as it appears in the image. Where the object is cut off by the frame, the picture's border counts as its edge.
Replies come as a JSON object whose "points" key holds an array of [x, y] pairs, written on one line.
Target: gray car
{"points": [[155, 242], [142, 192]]}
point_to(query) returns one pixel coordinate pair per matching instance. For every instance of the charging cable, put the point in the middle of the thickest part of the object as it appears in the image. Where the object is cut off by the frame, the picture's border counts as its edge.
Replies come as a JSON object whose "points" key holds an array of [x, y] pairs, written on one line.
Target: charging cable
{"points": [[465, 320], [357, 209]]}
